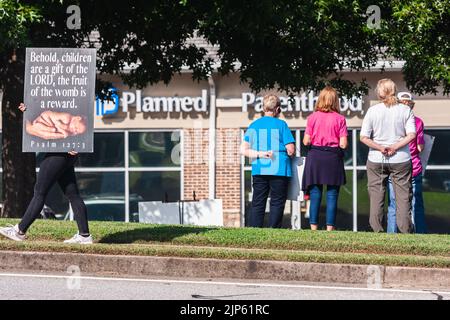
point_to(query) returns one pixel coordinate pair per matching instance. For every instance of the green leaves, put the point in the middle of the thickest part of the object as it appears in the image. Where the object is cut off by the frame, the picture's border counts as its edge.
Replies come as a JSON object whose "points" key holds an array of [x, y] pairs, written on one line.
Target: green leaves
{"points": [[291, 45], [15, 18], [419, 33]]}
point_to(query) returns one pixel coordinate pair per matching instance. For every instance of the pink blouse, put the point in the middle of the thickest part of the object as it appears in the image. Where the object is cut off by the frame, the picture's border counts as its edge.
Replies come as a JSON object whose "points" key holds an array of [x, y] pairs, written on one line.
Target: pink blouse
{"points": [[325, 128]]}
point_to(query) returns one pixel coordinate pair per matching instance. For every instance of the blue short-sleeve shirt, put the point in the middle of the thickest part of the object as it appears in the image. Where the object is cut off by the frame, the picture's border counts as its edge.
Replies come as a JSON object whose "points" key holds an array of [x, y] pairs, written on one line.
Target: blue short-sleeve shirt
{"points": [[270, 134]]}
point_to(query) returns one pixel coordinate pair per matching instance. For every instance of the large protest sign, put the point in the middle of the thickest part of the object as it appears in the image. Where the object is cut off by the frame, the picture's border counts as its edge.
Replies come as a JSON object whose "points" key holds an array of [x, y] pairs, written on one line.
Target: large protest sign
{"points": [[59, 96], [425, 155], [295, 192]]}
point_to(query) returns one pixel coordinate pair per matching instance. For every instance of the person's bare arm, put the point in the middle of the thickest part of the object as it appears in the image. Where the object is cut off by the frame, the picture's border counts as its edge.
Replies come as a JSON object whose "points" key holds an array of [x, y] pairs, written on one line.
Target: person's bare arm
{"points": [[307, 140], [420, 147], [372, 144], [405, 141], [249, 153], [290, 149], [343, 142]]}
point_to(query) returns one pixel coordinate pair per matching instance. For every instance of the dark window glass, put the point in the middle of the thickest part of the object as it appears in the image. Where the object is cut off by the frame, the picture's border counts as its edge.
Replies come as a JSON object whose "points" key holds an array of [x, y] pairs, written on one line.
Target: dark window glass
{"points": [[247, 195], [362, 151], [344, 218], [436, 196], [153, 186], [363, 201], [154, 149], [108, 152], [440, 154], [103, 193]]}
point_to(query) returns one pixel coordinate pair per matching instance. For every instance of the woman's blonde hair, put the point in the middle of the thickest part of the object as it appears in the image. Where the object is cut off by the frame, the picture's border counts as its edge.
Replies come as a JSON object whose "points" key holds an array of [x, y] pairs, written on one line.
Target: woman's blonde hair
{"points": [[386, 90], [328, 100]]}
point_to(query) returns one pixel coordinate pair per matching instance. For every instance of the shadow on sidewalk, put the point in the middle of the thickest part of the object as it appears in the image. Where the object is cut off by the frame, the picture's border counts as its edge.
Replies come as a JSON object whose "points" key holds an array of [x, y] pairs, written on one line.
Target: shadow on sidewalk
{"points": [[153, 233]]}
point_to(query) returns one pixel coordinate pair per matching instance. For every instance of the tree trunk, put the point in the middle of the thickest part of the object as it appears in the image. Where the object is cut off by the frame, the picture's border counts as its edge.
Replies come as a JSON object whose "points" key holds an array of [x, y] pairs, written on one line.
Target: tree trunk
{"points": [[19, 169]]}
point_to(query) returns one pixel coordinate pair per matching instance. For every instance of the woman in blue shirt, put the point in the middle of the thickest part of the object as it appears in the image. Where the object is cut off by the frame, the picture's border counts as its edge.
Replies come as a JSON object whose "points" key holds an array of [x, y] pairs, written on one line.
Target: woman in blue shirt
{"points": [[269, 142]]}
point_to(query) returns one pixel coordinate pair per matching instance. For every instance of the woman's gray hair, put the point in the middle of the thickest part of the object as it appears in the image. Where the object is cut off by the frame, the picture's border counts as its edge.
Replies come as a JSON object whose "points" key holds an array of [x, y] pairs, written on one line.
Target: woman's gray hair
{"points": [[270, 102]]}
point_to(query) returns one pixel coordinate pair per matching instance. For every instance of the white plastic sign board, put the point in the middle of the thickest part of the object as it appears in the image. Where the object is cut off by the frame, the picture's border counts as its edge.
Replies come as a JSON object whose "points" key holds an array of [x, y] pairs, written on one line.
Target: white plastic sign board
{"points": [[295, 192], [203, 213], [425, 154], [157, 212], [197, 213]]}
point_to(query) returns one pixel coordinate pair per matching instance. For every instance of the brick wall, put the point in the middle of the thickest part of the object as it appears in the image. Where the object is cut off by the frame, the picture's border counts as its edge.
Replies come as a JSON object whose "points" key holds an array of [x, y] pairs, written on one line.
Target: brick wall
{"points": [[228, 174], [228, 169], [195, 162]]}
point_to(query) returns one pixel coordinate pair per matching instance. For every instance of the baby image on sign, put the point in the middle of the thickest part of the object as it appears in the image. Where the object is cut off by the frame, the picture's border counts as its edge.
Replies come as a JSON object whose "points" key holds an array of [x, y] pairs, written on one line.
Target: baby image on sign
{"points": [[59, 96]]}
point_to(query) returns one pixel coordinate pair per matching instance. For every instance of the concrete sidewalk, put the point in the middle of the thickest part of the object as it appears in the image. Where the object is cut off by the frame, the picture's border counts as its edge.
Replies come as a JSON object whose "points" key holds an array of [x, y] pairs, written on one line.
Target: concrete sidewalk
{"points": [[93, 264]]}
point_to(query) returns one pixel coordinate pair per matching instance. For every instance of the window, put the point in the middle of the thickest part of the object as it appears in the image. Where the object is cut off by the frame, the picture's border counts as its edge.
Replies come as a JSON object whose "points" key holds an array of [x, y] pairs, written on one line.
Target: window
{"points": [[362, 150], [153, 186], [104, 195], [108, 151], [153, 172], [436, 195], [153, 149], [436, 187], [440, 154]]}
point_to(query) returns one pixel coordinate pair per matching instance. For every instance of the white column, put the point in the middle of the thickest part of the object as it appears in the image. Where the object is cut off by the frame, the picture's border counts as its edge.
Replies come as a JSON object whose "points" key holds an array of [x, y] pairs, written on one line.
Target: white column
{"points": [[355, 181], [127, 178], [212, 138], [296, 218]]}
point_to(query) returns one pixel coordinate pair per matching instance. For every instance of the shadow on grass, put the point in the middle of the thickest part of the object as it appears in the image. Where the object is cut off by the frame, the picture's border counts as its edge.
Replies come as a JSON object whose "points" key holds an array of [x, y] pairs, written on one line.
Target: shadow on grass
{"points": [[153, 233]]}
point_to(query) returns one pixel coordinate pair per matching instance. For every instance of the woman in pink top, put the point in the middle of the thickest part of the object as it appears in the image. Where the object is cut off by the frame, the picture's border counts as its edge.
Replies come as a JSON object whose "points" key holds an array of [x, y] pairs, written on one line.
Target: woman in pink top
{"points": [[326, 135]]}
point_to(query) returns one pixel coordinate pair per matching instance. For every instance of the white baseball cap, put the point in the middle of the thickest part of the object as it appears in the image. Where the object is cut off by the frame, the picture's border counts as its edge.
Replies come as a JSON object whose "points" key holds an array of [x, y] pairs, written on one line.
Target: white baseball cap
{"points": [[405, 96]]}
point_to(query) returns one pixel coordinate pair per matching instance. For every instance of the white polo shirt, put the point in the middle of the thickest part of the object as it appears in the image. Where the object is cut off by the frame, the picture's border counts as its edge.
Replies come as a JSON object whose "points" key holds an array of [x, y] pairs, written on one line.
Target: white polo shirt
{"points": [[387, 126]]}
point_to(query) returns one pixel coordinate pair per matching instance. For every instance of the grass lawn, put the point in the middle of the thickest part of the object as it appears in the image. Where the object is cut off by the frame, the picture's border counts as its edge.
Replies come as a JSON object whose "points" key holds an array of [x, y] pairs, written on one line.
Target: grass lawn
{"points": [[248, 243]]}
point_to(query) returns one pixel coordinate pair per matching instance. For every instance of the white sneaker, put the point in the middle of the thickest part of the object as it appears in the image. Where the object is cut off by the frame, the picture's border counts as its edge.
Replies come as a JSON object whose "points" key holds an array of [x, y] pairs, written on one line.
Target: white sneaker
{"points": [[77, 239], [12, 232]]}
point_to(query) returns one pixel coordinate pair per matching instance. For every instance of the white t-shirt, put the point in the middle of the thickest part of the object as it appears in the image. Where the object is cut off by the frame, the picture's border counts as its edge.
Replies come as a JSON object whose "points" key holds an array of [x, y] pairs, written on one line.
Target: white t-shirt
{"points": [[387, 126]]}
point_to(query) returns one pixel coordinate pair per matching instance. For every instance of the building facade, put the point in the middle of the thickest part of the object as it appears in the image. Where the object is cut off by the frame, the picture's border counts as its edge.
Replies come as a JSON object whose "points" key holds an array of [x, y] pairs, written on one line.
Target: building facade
{"points": [[181, 141]]}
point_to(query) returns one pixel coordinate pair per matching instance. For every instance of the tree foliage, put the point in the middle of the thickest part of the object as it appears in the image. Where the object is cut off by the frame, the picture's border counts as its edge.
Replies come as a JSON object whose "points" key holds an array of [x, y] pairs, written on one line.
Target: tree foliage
{"points": [[15, 18], [292, 45], [419, 33]]}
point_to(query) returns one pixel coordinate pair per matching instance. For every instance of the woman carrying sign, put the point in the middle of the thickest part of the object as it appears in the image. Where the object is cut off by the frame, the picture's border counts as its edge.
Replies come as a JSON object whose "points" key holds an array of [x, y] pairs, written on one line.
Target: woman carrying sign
{"points": [[56, 167]]}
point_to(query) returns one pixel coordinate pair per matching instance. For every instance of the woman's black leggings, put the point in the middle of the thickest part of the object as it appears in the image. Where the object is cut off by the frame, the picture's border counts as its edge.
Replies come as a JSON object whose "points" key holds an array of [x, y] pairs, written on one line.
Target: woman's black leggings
{"points": [[56, 167]]}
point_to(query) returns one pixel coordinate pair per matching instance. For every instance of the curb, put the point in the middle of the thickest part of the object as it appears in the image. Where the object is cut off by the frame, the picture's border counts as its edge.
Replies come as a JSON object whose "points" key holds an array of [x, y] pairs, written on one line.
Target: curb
{"points": [[371, 276]]}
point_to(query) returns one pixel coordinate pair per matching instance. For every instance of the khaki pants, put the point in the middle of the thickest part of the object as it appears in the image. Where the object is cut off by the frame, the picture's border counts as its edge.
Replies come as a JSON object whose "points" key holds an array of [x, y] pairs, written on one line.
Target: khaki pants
{"points": [[401, 176]]}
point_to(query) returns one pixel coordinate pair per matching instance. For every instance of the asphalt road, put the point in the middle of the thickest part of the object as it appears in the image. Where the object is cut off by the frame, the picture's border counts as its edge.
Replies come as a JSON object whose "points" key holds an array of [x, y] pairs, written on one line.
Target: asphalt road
{"points": [[46, 286]]}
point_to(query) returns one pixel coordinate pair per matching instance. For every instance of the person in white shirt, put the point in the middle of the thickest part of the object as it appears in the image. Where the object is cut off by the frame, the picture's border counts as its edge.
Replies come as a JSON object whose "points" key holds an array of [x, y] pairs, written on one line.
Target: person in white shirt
{"points": [[387, 129]]}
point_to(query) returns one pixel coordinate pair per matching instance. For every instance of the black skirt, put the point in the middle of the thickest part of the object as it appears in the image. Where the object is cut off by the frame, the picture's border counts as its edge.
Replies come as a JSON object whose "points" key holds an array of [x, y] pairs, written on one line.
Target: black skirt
{"points": [[324, 165]]}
